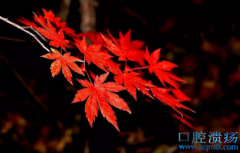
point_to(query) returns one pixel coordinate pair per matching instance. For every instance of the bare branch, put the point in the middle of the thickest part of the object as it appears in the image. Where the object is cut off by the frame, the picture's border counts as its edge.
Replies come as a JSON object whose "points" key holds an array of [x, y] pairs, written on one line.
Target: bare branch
{"points": [[21, 28], [30, 90], [14, 39], [30, 27]]}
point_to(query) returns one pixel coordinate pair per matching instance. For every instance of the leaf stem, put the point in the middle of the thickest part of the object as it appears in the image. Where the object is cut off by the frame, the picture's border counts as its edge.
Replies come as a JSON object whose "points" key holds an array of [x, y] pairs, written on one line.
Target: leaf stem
{"points": [[138, 68], [21, 28], [85, 69], [88, 76], [84, 62]]}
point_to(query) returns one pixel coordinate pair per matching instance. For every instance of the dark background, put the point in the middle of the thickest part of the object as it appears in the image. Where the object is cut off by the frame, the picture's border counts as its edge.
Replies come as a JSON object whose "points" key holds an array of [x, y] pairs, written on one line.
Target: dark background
{"points": [[202, 37]]}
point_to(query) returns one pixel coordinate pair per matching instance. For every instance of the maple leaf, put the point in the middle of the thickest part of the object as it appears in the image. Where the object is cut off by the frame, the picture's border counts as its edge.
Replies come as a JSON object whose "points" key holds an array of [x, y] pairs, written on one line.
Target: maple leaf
{"points": [[180, 95], [48, 31], [40, 20], [161, 69], [63, 62], [122, 49], [67, 30], [101, 94], [93, 54], [27, 22], [132, 82], [184, 121], [93, 36], [134, 46], [56, 38], [49, 16], [164, 96]]}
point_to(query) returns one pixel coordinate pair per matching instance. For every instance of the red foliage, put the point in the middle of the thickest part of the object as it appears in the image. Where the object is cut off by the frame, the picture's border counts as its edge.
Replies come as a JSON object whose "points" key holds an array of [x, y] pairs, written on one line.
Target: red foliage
{"points": [[124, 48], [27, 22], [132, 82], [93, 36], [100, 93], [63, 62], [161, 68], [93, 54]]}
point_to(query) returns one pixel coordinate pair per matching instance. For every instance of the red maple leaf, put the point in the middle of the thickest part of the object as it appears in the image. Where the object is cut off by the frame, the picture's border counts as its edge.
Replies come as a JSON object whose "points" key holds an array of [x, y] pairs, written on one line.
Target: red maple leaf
{"points": [[180, 95], [63, 62], [50, 32], [133, 46], [56, 38], [27, 22], [132, 82], [161, 69], [93, 54], [93, 36], [122, 49], [67, 30], [100, 94], [40, 20], [184, 120], [164, 96], [49, 16]]}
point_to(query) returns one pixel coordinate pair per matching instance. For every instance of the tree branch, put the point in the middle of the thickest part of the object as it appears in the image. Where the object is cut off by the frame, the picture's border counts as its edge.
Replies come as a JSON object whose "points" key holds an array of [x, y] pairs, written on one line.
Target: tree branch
{"points": [[24, 30], [14, 39], [30, 27]]}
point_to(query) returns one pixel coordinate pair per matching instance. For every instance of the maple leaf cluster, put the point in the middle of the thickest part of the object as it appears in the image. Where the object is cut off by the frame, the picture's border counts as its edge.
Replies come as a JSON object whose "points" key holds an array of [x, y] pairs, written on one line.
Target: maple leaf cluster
{"points": [[101, 95]]}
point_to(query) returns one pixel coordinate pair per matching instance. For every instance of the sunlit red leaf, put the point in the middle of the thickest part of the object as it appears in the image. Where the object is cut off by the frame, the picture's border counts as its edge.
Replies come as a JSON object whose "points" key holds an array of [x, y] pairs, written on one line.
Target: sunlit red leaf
{"points": [[93, 54], [101, 94], [180, 95], [184, 120], [164, 96], [27, 22], [161, 69], [122, 48], [134, 46], [56, 38], [49, 16], [63, 62], [132, 82], [93, 36]]}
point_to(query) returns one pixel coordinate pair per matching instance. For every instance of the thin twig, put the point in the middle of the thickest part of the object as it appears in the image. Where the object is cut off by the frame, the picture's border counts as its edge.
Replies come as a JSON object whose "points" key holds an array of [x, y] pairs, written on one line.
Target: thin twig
{"points": [[44, 26], [30, 27], [136, 15], [138, 68], [14, 39], [88, 77], [30, 90], [19, 27], [84, 62]]}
